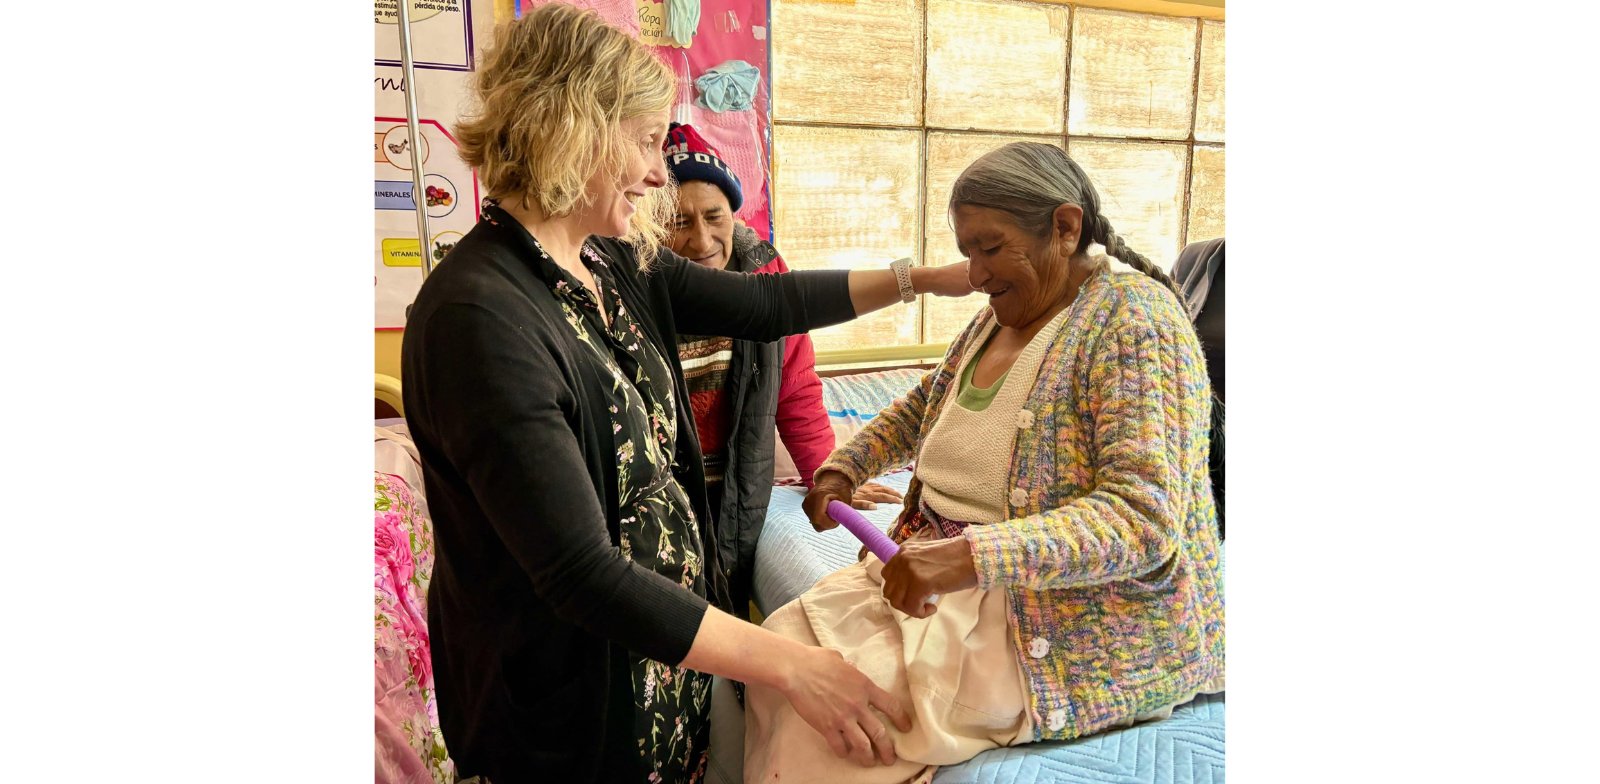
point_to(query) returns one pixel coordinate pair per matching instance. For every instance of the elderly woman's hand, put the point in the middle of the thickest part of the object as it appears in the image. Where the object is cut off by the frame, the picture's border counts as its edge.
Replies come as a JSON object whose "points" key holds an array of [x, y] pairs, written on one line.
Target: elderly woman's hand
{"points": [[869, 495], [925, 569], [829, 486]]}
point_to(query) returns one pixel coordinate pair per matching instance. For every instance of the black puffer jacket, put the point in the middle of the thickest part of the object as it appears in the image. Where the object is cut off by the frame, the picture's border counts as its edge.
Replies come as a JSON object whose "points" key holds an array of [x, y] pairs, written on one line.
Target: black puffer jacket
{"points": [[755, 376]]}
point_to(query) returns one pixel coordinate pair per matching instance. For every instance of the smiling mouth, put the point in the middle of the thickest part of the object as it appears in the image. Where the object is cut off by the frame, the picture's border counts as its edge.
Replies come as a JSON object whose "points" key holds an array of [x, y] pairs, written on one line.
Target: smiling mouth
{"points": [[633, 198], [994, 294], [708, 257]]}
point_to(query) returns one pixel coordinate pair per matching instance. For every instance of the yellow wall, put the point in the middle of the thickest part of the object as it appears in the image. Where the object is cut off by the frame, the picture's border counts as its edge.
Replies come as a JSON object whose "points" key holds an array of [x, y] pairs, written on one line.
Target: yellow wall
{"points": [[386, 348]]}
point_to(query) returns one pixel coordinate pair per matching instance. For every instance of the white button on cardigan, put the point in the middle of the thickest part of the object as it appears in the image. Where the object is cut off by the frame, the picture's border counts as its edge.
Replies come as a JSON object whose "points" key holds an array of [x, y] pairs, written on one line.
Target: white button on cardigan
{"points": [[1057, 720]]}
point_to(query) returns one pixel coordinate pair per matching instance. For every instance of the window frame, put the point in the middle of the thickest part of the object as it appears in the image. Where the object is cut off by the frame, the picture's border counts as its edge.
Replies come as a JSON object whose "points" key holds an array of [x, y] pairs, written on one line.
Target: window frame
{"points": [[1202, 12]]}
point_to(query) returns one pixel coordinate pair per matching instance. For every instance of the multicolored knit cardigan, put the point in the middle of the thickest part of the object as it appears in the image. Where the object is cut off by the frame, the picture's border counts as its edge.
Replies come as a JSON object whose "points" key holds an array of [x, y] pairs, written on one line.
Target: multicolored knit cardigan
{"points": [[1111, 557]]}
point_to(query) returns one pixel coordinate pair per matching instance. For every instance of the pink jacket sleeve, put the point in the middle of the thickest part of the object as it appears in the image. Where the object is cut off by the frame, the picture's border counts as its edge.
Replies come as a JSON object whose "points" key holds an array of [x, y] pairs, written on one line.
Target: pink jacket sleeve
{"points": [[802, 419]]}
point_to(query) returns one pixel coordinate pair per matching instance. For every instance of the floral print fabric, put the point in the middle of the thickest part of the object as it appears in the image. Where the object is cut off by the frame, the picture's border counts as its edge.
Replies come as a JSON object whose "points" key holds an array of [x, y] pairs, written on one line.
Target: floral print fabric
{"points": [[658, 526], [408, 748]]}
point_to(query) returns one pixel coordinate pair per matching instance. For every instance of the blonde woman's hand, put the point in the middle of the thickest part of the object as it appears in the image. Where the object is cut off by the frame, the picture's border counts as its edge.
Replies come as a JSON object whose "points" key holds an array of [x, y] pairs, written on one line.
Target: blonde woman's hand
{"points": [[947, 281], [837, 700]]}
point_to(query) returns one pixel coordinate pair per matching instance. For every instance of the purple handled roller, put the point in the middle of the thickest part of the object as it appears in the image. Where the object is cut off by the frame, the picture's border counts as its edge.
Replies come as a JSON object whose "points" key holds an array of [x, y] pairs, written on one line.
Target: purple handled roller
{"points": [[862, 528]]}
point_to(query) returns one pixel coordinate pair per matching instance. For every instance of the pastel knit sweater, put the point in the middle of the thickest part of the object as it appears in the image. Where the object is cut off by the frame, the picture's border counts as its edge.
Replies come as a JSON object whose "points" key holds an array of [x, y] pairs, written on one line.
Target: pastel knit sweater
{"points": [[1111, 554]]}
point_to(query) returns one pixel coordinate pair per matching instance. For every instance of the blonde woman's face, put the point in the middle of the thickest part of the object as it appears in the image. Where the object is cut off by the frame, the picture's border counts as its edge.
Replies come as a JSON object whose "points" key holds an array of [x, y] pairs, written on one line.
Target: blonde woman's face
{"points": [[617, 196]]}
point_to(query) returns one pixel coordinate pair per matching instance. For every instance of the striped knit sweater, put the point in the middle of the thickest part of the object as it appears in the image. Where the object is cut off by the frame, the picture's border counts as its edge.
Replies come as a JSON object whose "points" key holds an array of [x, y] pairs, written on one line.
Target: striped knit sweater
{"points": [[1111, 554]]}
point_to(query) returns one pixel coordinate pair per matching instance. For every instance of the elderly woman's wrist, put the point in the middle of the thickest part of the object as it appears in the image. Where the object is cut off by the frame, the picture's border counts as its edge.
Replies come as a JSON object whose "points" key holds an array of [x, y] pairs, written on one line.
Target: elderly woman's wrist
{"points": [[827, 475], [959, 555], [980, 554]]}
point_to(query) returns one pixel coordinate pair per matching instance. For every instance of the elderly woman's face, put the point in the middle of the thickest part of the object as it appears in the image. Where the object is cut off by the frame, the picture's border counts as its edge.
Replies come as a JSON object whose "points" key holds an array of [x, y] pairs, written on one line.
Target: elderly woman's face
{"points": [[1022, 275], [617, 196]]}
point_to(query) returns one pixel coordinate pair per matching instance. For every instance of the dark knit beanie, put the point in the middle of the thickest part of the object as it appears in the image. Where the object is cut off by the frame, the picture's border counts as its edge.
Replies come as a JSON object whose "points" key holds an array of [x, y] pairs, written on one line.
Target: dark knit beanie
{"points": [[690, 158]]}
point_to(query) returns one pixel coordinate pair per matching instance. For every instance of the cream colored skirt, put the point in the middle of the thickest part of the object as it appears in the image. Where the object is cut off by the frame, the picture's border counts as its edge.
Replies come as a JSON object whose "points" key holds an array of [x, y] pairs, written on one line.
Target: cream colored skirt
{"points": [[957, 672]]}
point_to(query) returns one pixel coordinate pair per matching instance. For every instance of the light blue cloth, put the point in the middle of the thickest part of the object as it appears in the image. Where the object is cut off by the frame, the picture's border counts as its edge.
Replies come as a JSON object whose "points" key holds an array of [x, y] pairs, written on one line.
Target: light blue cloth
{"points": [[729, 87], [683, 18]]}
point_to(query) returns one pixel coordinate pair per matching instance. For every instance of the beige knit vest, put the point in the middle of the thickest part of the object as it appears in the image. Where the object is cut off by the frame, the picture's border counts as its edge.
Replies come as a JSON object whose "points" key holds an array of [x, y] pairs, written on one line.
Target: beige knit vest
{"points": [[965, 462]]}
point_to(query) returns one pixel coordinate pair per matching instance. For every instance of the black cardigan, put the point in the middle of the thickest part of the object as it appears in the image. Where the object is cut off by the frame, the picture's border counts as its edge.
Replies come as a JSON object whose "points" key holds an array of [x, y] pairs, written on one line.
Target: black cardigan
{"points": [[532, 607]]}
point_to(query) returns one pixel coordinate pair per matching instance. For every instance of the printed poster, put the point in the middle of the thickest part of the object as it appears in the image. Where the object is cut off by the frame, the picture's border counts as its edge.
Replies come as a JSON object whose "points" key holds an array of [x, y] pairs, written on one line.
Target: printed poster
{"points": [[443, 54], [441, 33]]}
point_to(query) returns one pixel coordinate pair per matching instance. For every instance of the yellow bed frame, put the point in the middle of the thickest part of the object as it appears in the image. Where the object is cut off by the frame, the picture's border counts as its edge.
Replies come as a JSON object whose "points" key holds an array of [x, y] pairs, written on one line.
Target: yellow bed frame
{"points": [[387, 389]]}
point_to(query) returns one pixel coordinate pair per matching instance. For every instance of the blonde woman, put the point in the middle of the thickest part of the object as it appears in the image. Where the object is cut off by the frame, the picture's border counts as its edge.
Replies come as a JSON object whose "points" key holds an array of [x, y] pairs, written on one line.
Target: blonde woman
{"points": [[573, 634], [1061, 507]]}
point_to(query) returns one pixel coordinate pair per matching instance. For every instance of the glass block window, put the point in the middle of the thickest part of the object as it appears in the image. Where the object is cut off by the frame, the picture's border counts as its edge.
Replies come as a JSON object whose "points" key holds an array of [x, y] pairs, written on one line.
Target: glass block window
{"points": [[1206, 194], [1141, 186], [848, 61], [997, 66], [878, 105], [1132, 75], [847, 199], [1209, 121]]}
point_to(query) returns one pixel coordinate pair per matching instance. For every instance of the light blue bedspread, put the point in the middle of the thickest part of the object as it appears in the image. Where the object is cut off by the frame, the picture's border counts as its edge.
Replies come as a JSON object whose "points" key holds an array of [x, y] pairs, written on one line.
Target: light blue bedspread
{"points": [[791, 557], [1187, 748]]}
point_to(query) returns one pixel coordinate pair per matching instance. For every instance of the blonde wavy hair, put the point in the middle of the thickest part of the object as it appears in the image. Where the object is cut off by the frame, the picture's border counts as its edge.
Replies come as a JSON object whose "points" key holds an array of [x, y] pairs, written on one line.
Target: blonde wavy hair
{"points": [[547, 108]]}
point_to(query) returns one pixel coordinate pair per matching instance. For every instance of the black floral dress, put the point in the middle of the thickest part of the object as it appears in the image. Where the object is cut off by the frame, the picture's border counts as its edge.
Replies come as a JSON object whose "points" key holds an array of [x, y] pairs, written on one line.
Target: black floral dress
{"points": [[659, 530]]}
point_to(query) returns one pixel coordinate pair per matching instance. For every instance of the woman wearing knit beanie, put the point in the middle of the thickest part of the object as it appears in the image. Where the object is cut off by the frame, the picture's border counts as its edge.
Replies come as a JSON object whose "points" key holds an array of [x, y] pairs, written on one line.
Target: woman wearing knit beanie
{"points": [[571, 611], [1061, 509], [738, 388]]}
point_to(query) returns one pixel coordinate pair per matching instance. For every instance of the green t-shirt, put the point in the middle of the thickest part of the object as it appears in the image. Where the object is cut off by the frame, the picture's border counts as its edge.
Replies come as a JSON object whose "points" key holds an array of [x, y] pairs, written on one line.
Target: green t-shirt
{"points": [[973, 398]]}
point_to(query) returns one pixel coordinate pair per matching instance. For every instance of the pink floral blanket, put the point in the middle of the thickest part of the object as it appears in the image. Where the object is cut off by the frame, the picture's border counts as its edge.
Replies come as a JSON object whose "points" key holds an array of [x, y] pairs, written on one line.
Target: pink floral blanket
{"points": [[408, 746]]}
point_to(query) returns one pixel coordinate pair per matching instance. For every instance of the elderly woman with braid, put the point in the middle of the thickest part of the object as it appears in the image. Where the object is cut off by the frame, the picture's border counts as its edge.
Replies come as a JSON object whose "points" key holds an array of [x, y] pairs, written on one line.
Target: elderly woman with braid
{"points": [[1060, 512]]}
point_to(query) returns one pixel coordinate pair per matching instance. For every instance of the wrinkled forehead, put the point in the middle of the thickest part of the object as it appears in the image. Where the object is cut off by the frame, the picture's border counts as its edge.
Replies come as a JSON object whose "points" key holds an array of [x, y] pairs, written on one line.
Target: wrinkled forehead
{"points": [[976, 226]]}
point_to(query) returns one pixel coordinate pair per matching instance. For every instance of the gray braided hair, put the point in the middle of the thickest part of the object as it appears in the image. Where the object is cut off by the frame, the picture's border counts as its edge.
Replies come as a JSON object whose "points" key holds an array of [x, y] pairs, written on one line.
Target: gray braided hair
{"points": [[1028, 181]]}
